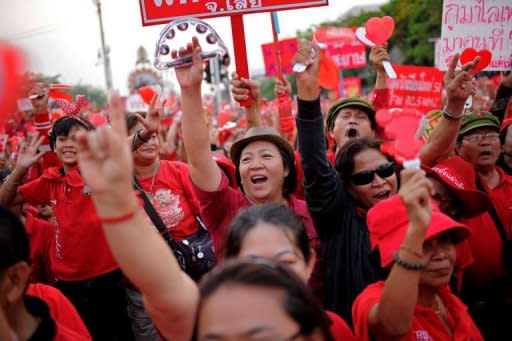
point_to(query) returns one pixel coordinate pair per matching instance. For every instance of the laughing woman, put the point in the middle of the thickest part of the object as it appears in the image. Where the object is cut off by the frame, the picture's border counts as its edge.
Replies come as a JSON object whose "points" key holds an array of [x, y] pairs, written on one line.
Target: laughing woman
{"points": [[338, 197], [264, 161]]}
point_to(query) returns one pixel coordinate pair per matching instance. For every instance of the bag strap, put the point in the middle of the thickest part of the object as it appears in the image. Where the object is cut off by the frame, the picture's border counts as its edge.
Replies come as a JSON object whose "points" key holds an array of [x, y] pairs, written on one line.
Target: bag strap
{"points": [[150, 210], [493, 213]]}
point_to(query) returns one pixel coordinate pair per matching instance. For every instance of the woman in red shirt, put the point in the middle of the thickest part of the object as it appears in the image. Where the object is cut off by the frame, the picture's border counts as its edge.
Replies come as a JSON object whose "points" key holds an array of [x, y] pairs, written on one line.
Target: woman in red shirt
{"points": [[274, 232], [415, 302]]}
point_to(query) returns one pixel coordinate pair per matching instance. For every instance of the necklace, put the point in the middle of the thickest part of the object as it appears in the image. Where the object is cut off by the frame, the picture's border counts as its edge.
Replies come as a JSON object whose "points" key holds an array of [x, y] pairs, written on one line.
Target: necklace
{"points": [[152, 179]]}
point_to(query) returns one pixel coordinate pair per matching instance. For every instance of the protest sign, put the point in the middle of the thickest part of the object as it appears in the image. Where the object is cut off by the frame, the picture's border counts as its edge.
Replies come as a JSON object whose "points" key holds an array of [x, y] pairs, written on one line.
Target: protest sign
{"points": [[342, 46], [416, 87], [156, 12], [352, 86], [478, 24], [288, 49]]}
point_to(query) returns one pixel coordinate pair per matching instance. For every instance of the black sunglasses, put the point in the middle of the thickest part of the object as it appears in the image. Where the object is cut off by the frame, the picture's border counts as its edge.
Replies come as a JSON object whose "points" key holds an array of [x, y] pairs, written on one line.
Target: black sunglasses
{"points": [[366, 177]]}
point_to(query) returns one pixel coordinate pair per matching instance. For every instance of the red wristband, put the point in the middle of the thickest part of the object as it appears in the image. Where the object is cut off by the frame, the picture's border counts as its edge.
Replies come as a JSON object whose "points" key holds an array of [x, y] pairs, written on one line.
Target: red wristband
{"points": [[118, 219]]}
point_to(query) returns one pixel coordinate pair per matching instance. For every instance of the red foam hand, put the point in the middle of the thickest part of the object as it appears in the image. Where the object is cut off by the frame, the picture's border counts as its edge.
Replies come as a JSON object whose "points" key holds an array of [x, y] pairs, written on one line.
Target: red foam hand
{"points": [[469, 54], [400, 132], [379, 30]]}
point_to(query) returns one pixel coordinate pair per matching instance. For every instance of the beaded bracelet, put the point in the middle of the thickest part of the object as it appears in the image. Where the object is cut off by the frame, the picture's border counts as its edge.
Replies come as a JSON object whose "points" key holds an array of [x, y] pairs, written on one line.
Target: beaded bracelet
{"points": [[406, 265], [452, 117], [410, 250]]}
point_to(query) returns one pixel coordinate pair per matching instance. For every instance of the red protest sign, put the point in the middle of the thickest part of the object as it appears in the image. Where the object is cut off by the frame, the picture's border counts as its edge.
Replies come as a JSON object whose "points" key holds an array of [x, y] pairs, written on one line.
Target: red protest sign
{"points": [[156, 12], [343, 47], [416, 87], [288, 48]]}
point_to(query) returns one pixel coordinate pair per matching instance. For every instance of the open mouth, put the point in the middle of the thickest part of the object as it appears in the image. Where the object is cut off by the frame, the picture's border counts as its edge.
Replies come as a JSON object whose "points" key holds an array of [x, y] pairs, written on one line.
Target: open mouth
{"points": [[383, 195], [258, 179], [69, 154], [486, 153], [352, 133]]}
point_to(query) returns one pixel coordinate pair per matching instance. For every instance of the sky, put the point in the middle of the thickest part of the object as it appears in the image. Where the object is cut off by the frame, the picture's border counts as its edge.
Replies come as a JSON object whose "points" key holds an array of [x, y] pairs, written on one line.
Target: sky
{"points": [[62, 36]]}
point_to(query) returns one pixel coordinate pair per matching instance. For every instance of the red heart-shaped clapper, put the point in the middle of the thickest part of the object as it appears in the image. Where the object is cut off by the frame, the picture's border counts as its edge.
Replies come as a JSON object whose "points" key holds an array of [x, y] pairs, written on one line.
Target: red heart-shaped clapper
{"points": [[147, 93], [379, 30], [469, 54]]}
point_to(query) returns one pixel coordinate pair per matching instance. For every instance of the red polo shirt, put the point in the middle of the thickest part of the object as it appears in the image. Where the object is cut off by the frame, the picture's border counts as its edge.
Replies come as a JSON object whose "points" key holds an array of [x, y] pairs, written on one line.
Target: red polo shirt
{"points": [[69, 325], [339, 328], [485, 240], [81, 251], [218, 209], [426, 324], [41, 235], [172, 197]]}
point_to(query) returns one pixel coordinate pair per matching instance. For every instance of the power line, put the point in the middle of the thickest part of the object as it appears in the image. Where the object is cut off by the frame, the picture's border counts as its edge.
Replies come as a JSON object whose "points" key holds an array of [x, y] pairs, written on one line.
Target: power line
{"points": [[32, 32]]}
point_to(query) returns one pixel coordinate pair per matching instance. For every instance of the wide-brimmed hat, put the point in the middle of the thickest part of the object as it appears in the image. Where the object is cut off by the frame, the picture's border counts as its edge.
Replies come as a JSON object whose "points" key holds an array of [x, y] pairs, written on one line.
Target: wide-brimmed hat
{"points": [[388, 222], [260, 133], [460, 177], [479, 119], [352, 102]]}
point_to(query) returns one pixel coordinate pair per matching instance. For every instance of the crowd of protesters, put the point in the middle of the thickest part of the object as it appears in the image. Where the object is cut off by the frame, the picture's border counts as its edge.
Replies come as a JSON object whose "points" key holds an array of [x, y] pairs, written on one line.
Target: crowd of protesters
{"points": [[283, 221]]}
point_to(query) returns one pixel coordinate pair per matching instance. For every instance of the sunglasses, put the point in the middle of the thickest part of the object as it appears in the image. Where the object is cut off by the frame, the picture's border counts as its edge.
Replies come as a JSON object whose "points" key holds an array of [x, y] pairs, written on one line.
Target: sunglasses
{"points": [[366, 177]]}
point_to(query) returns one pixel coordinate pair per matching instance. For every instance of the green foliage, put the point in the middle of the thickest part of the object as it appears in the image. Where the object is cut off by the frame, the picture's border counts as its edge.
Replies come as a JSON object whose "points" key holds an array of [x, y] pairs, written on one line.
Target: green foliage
{"points": [[416, 22], [96, 96]]}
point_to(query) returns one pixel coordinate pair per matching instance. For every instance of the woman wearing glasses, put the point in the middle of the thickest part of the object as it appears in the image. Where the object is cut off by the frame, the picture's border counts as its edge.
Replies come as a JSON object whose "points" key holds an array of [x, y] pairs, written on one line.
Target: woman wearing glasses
{"points": [[338, 198]]}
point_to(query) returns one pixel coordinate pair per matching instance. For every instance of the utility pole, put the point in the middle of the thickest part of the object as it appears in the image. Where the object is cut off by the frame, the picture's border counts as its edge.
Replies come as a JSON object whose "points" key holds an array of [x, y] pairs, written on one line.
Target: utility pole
{"points": [[104, 49]]}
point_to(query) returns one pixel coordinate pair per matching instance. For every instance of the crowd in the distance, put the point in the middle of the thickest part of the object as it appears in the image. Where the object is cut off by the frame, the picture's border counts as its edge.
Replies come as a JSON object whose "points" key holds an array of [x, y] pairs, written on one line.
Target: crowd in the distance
{"points": [[292, 225]]}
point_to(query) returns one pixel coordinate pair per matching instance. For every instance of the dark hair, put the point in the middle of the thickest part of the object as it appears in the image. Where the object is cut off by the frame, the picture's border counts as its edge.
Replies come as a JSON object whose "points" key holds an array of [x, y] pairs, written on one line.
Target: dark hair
{"points": [[131, 121], [290, 181], [281, 217], [14, 245], [345, 160], [299, 302], [4, 173], [63, 125], [503, 135]]}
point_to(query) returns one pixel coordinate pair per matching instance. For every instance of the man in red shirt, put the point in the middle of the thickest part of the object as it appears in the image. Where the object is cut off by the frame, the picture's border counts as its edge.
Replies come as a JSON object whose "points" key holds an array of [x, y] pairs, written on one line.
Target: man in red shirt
{"points": [[487, 288], [39, 312]]}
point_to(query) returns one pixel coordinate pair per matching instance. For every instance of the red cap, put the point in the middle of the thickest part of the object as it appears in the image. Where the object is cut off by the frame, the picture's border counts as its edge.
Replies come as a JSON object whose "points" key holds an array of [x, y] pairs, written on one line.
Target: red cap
{"points": [[505, 124], [388, 222], [460, 177]]}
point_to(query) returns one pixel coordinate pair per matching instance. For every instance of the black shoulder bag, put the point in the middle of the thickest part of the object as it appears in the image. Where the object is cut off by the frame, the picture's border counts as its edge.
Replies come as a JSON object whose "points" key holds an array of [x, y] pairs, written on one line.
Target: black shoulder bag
{"points": [[195, 254]]}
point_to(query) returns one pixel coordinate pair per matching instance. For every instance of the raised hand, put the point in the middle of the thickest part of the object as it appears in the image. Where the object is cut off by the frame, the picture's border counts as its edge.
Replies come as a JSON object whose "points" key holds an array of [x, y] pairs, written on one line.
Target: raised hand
{"points": [[415, 192], [379, 54], [39, 96], [28, 154], [190, 75], [307, 81], [242, 88], [460, 84], [153, 116], [104, 157], [283, 86]]}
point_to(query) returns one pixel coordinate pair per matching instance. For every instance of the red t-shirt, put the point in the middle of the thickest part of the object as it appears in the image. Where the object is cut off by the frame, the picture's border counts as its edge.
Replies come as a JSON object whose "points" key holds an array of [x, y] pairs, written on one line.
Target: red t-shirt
{"points": [[339, 328], [426, 324], [173, 198], [81, 250], [218, 208], [69, 324], [41, 235], [485, 240]]}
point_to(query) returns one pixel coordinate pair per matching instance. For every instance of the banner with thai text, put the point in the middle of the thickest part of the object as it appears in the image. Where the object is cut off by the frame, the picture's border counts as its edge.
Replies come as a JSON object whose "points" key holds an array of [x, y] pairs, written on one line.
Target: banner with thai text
{"points": [[416, 87], [479, 24], [156, 12], [288, 48], [342, 46]]}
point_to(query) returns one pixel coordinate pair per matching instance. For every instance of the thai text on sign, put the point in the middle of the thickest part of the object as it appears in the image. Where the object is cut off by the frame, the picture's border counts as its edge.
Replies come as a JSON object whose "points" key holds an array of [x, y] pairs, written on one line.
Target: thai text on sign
{"points": [[343, 46], [479, 24], [162, 11], [416, 87]]}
